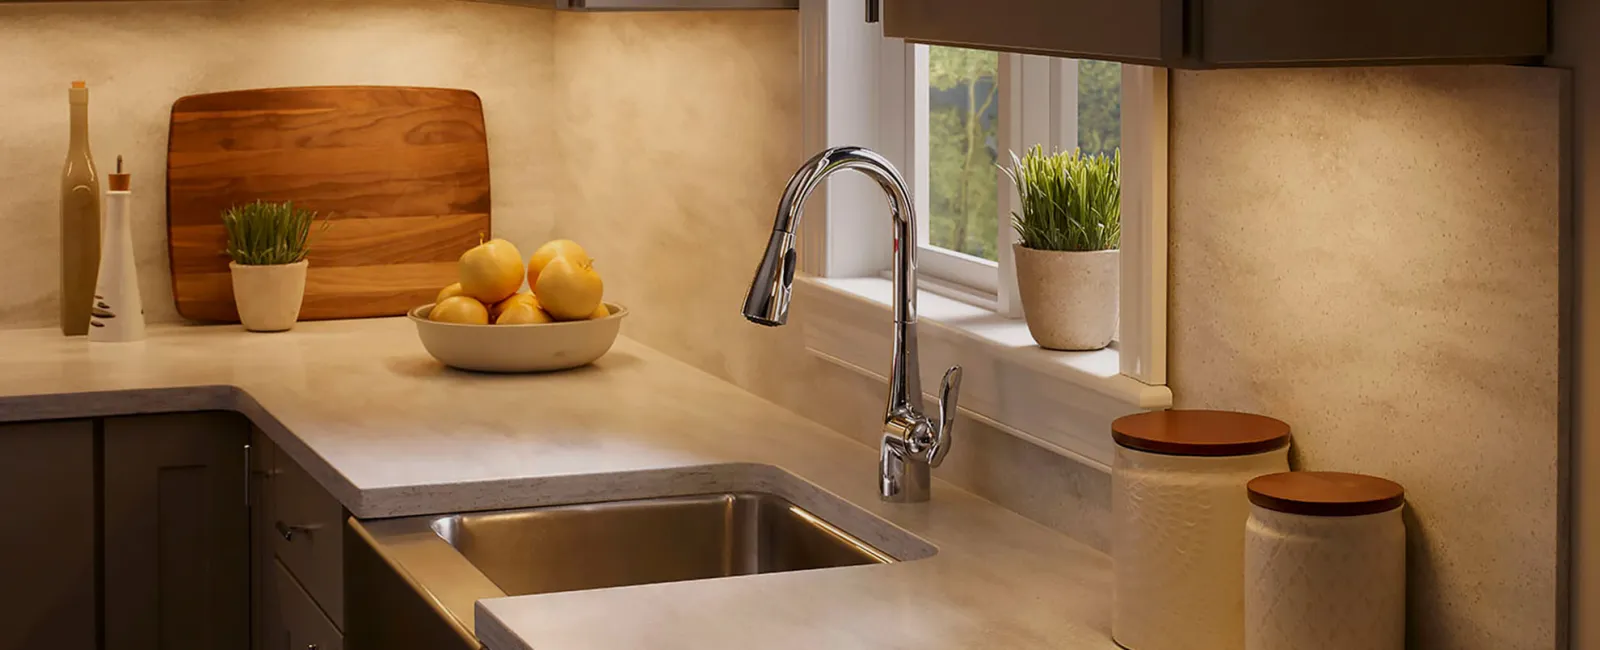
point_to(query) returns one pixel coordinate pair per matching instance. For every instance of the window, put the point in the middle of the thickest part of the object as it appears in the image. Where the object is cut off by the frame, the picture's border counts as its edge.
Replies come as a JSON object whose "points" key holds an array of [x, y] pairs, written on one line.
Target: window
{"points": [[966, 111], [947, 118]]}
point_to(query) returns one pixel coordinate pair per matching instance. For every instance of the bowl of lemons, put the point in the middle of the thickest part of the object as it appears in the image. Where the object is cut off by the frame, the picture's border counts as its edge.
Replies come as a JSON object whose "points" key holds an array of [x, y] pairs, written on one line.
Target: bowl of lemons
{"points": [[487, 322]]}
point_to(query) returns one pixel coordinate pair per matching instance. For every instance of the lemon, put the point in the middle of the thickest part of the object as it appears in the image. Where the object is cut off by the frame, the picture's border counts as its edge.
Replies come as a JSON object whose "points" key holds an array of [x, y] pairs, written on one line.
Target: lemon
{"points": [[448, 292], [460, 309], [600, 312], [523, 312], [569, 290], [500, 307], [491, 271], [551, 250]]}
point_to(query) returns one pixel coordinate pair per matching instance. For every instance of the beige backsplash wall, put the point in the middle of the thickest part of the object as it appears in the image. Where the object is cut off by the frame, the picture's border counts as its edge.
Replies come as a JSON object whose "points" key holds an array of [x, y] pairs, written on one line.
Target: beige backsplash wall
{"points": [[1371, 255], [1368, 254], [140, 56]]}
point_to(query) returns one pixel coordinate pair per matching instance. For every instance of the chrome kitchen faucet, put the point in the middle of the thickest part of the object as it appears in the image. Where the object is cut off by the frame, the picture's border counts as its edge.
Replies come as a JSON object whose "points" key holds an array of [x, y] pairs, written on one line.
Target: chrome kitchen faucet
{"points": [[912, 443]]}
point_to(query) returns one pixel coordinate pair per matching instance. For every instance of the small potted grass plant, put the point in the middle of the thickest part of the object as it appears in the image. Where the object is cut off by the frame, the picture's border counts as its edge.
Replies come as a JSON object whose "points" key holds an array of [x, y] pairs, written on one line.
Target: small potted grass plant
{"points": [[1070, 227], [268, 243]]}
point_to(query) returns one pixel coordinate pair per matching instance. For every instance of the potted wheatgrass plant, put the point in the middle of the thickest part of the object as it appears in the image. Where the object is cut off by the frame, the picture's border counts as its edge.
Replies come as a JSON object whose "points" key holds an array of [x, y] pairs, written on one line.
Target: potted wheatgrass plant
{"points": [[268, 244], [1069, 227]]}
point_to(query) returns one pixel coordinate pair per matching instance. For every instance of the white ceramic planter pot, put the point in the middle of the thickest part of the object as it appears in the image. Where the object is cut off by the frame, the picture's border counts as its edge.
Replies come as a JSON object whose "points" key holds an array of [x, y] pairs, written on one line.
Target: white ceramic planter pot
{"points": [[1069, 298], [269, 296]]}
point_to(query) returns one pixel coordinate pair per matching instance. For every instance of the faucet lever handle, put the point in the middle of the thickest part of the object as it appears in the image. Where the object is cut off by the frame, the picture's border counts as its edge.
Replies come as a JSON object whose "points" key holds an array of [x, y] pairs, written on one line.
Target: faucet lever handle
{"points": [[949, 394]]}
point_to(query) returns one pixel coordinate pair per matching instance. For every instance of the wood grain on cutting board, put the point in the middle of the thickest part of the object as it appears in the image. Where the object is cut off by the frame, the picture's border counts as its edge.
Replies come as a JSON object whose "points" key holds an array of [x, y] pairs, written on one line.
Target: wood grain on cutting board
{"points": [[402, 174]]}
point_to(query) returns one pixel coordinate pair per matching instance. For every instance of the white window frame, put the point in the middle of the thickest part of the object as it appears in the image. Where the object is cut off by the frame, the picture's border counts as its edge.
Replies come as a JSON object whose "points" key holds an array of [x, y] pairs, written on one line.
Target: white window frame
{"points": [[858, 89]]}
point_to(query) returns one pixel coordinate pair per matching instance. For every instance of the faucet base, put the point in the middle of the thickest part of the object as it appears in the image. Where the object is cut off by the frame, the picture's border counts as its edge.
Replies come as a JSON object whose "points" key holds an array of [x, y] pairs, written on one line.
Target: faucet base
{"points": [[903, 480]]}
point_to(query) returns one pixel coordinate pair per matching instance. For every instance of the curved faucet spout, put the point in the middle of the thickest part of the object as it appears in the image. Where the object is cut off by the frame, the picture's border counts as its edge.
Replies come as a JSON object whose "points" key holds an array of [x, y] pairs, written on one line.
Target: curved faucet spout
{"points": [[911, 442], [821, 166]]}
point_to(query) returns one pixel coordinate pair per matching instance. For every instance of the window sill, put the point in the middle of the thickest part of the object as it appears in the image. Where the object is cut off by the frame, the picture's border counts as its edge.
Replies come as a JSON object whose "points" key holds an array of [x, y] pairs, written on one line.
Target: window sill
{"points": [[1062, 401]]}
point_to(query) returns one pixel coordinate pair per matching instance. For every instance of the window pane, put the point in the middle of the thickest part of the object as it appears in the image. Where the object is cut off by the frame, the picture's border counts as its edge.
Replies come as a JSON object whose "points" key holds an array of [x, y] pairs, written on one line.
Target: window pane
{"points": [[963, 134], [1099, 106]]}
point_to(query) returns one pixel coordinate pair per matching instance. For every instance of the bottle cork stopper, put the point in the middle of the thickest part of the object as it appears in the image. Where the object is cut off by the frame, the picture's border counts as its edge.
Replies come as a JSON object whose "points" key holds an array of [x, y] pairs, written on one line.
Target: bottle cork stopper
{"points": [[120, 182]]}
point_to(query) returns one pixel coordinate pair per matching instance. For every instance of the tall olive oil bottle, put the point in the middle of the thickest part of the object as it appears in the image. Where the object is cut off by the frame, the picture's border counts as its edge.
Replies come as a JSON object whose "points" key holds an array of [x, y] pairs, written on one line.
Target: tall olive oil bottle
{"points": [[80, 220]]}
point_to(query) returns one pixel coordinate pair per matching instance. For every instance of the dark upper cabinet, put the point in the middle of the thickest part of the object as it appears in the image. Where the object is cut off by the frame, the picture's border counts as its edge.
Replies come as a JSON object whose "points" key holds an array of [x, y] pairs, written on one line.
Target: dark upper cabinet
{"points": [[1236, 33]]}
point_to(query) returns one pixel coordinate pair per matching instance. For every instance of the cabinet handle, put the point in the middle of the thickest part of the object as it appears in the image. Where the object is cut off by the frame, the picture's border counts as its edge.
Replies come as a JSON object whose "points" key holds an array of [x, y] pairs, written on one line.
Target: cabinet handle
{"points": [[311, 646], [288, 530], [874, 11]]}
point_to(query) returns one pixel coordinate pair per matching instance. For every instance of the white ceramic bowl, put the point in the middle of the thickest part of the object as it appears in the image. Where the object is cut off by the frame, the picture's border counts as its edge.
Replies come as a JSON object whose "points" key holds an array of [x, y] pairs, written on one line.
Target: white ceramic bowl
{"points": [[519, 348]]}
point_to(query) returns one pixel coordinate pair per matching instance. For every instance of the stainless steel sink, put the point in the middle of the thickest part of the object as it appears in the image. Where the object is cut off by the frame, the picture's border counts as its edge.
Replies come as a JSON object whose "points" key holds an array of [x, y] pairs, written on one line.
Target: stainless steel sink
{"points": [[413, 582], [567, 548]]}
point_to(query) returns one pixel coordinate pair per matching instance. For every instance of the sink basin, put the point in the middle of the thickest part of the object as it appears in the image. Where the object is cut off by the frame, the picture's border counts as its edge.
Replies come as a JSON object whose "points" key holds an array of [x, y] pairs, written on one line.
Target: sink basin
{"points": [[413, 582], [567, 548]]}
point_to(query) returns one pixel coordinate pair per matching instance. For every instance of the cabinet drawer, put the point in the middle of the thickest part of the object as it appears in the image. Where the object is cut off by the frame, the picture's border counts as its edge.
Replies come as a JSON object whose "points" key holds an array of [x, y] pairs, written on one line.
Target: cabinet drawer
{"points": [[304, 625], [307, 537]]}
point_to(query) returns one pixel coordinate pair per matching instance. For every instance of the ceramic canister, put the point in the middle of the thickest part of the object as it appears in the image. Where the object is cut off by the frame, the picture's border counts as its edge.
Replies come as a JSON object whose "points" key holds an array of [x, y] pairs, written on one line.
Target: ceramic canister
{"points": [[1325, 563], [1178, 513]]}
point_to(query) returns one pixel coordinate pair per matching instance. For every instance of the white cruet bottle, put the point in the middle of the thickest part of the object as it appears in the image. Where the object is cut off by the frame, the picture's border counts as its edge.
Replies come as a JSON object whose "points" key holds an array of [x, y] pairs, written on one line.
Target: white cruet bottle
{"points": [[118, 313]]}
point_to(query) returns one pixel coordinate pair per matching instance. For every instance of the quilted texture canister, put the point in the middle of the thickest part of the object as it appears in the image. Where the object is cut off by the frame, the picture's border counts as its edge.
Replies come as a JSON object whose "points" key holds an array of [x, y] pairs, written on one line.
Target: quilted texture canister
{"points": [[1330, 574], [1179, 507], [1178, 547]]}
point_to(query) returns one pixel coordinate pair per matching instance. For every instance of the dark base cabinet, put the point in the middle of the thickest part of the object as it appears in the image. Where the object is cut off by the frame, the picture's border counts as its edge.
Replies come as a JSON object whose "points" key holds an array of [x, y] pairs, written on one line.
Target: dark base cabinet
{"points": [[165, 532], [152, 509]]}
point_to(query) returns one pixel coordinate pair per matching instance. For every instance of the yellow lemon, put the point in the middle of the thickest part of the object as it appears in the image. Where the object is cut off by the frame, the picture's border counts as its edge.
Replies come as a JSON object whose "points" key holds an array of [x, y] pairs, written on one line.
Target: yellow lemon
{"points": [[500, 307], [569, 290], [460, 309], [551, 250], [491, 271], [448, 292], [523, 312], [600, 312]]}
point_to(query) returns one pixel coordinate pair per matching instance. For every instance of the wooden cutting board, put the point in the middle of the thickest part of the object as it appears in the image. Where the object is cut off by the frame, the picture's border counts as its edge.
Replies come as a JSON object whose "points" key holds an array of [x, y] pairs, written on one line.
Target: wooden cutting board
{"points": [[401, 173]]}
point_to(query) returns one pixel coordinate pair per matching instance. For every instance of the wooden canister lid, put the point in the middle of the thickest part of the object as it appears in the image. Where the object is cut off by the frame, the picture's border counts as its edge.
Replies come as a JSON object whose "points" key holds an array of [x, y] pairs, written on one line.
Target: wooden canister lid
{"points": [[1326, 494], [1200, 433]]}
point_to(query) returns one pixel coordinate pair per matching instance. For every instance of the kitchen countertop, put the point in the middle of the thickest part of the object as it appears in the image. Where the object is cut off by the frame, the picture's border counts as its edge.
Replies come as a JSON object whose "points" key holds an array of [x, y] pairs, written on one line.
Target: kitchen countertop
{"points": [[390, 432]]}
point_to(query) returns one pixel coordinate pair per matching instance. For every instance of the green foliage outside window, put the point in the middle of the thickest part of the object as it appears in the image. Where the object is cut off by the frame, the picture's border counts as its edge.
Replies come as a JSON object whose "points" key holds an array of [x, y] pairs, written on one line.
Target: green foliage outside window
{"points": [[963, 119], [1099, 107]]}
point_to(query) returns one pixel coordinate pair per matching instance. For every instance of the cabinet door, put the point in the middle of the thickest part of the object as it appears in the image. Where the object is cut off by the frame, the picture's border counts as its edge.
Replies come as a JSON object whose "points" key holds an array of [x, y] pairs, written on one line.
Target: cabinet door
{"points": [[1268, 32], [1133, 31], [177, 563], [47, 559]]}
